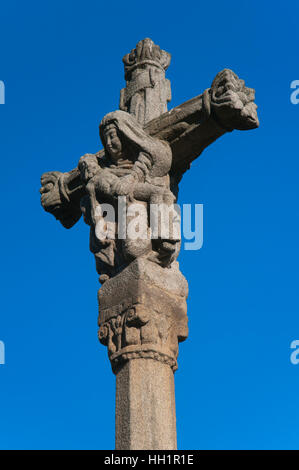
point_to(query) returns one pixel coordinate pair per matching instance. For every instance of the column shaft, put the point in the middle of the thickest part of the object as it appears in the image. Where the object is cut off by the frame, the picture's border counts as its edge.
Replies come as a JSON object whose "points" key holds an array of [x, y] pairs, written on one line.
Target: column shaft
{"points": [[145, 406]]}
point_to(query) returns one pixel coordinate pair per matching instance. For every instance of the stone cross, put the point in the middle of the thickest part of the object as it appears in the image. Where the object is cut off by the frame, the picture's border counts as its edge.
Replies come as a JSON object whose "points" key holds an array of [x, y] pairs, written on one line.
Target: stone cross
{"points": [[142, 301]]}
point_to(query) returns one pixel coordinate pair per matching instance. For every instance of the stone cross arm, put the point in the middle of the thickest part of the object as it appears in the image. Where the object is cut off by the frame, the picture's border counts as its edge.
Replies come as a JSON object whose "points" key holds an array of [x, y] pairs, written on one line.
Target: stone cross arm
{"points": [[189, 128]]}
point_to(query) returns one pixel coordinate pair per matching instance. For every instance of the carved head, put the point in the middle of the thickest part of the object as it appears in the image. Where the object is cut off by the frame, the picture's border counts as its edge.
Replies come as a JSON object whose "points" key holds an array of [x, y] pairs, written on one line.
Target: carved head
{"points": [[113, 143], [88, 167], [123, 137]]}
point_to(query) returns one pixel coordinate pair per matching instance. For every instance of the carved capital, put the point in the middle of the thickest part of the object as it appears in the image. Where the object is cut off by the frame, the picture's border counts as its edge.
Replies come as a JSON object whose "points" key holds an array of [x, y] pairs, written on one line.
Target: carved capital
{"points": [[142, 315]]}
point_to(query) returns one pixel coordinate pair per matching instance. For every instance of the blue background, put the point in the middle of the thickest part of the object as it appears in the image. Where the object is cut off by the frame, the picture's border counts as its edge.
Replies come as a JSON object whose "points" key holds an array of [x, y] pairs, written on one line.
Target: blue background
{"points": [[61, 63]]}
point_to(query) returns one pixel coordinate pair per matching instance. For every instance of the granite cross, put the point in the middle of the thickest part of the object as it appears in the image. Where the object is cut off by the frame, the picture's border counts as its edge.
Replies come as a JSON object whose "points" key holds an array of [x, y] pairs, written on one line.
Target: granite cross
{"points": [[142, 301]]}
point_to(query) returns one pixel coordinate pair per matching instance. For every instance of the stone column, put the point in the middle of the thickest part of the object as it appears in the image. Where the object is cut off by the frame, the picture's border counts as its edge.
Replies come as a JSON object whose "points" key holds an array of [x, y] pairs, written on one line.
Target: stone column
{"points": [[142, 318], [145, 406]]}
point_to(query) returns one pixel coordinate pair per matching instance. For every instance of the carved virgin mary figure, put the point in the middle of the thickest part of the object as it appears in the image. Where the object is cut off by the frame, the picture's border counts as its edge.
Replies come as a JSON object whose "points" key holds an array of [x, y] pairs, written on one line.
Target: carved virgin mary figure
{"points": [[135, 165]]}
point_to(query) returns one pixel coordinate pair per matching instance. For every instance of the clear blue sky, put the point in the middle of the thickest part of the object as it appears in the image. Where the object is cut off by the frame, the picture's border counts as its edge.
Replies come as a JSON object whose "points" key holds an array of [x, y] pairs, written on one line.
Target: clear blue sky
{"points": [[61, 63]]}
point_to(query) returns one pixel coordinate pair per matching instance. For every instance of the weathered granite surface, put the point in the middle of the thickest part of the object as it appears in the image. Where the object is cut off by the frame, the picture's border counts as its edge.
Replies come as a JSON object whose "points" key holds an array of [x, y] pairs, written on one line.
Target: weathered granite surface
{"points": [[147, 92], [143, 313], [142, 302], [145, 406]]}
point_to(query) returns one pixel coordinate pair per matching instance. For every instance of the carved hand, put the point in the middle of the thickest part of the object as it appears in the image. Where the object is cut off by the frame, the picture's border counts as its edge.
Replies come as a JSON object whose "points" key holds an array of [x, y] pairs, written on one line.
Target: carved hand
{"points": [[232, 102], [50, 194], [55, 199]]}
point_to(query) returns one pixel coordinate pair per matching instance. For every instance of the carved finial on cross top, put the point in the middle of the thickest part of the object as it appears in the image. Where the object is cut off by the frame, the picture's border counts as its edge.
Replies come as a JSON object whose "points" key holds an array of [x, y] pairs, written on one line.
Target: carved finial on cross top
{"points": [[147, 92]]}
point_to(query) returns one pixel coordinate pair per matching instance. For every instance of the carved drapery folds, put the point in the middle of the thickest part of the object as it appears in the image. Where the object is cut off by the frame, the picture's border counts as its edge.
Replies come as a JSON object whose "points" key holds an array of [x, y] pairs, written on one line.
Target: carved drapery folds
{"points": [[137, 168]]}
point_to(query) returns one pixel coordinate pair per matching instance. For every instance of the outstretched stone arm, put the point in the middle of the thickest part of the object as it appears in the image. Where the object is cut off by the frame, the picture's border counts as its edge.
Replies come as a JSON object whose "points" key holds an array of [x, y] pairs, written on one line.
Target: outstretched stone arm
{"points": [[188, 128], [194, 125]]}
